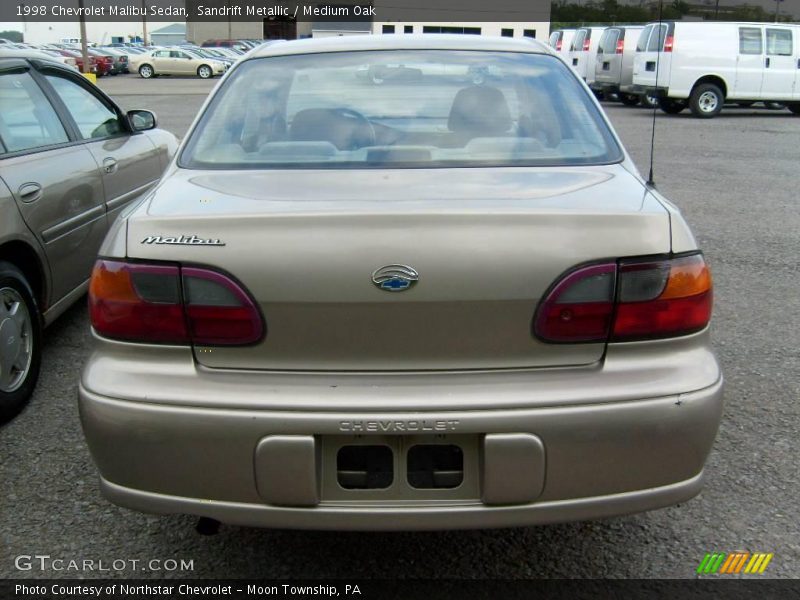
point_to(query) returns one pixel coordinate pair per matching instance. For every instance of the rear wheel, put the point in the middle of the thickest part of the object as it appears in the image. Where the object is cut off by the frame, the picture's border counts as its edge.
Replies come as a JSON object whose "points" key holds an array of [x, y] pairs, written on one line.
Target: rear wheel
{"points": [[205, 72], [649, 100], [671, 106], [20, 341], [146, 71], [629, 99], [706, 101]]}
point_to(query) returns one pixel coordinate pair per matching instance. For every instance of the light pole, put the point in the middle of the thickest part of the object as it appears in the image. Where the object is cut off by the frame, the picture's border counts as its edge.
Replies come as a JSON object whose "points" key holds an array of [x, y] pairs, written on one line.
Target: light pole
{"points": [[84, 44], [144, 24]]}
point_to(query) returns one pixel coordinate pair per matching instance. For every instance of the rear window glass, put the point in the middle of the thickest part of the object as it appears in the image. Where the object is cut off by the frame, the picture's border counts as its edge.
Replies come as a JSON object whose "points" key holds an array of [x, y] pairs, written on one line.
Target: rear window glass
{"points": [[656, 42], [608, 41], [750, 40], [577, 41], [641, 45], [400, 108]]}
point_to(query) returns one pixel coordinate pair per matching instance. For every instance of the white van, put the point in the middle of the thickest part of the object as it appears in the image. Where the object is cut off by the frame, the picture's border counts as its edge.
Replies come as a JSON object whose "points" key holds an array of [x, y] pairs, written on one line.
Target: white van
{"points": [[613, 71], [561, 42], [704, 64], [583, 51]]}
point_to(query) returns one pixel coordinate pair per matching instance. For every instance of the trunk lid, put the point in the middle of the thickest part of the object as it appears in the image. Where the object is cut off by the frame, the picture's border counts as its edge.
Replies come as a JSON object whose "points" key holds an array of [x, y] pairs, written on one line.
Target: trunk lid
{"points": [[487, 244]]}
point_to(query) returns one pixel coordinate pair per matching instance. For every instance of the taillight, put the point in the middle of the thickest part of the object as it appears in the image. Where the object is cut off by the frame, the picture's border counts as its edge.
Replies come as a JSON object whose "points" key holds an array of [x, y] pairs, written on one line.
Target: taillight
{"points": [[170, 304], [586, 44], [663, 299], [632, 300], [620, 46], [558, 45], [668, 43], [580, 306]]}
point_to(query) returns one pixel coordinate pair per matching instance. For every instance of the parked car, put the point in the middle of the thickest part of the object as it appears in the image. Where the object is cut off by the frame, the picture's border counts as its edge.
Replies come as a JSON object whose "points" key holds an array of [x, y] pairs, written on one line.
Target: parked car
{"points": [[235, 44], [10, 51], [175, 61], [67, 169], [106, 62], [702, 65], [426, 306], [613, 73], [120, 59], [78, 58], [583, 51]]}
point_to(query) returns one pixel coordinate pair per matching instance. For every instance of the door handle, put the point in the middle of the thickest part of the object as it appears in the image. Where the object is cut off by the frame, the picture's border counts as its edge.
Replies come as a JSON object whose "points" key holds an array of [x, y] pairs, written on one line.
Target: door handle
{"points": [[109, 165], [30, 192], [798, 63], [768, 62]]}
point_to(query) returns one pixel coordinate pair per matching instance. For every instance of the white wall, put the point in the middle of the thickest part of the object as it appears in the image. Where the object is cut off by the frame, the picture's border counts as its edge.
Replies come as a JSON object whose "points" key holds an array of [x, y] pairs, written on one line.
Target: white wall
{"points": [[493, 28], [98, 32]]}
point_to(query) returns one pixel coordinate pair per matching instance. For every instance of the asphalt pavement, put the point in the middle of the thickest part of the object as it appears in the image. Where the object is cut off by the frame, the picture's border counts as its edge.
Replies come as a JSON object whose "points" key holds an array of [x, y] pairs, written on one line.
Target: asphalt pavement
{"points": [[735, 178]]}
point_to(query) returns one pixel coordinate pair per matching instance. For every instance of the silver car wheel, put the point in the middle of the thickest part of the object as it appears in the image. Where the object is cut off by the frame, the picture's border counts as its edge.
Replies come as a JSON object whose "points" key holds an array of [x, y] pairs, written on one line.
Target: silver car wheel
{"points": [[708, 102], [146, 71], [204, 72], [16, 340]]}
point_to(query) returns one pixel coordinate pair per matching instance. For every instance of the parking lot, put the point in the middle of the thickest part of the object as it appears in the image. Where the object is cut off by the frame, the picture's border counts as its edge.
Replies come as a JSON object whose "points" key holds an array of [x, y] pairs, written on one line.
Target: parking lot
{"points": [[735, 178]]}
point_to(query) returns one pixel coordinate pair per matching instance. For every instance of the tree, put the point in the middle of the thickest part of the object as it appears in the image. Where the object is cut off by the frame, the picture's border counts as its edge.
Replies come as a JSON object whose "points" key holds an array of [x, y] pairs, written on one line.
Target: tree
{"points": [[12, 36]]}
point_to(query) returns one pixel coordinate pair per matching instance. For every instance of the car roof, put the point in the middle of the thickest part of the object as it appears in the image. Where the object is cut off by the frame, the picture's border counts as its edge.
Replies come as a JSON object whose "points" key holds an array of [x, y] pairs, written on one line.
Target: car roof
{"points": [[423, 41], [30, 56]]}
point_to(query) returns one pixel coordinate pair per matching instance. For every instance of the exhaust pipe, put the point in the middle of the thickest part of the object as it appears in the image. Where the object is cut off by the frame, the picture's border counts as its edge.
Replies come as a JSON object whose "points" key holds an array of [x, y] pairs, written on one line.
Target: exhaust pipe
{"points": [[207, 526]]}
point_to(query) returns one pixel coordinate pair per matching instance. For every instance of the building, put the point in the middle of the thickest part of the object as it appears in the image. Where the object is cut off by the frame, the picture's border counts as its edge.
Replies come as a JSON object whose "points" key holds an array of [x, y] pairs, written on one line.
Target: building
{"points": [[391, 18], [169, 35]]}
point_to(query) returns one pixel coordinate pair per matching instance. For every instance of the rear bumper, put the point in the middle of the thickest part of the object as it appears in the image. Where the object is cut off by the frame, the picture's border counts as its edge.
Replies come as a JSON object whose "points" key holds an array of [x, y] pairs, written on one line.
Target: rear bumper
{"points": [[597, 451]]}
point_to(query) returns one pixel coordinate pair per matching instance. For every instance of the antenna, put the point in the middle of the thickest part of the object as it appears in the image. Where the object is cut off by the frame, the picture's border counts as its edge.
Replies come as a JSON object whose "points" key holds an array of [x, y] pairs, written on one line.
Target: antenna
{"points": [[650, 181]]}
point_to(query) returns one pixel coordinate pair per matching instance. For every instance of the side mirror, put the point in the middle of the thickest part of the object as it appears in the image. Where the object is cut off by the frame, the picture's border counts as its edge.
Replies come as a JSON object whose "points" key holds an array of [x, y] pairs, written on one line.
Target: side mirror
{"points": [[141, 120]]}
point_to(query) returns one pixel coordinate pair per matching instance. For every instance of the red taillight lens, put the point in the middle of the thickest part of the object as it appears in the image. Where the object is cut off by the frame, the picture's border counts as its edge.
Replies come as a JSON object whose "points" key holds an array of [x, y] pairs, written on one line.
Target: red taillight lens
{"points": [[586, 43], [579, 308], [168, 304], [620, 46], [558, 46], [634, 300], [218, 310], [668, 41], [663, 299]]}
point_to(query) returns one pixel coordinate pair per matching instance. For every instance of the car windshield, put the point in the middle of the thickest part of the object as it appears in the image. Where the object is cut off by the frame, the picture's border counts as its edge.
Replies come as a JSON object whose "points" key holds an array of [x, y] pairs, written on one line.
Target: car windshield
{"points": [[388, 109]]}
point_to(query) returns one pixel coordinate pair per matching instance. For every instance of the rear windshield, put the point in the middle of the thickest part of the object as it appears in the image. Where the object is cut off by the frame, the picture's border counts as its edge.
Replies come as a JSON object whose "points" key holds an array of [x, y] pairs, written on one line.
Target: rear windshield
{"points": [[386, 109], [608, 41]]}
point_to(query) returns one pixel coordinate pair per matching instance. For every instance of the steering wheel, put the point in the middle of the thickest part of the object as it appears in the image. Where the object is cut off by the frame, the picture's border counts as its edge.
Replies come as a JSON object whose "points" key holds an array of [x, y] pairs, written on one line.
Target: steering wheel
{"points": [[365, 127]]}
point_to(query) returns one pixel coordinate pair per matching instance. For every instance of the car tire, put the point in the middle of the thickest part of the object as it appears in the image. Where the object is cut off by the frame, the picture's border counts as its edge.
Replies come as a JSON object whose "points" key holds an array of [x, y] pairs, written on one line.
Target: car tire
{"points": [[629, 99], [146, 71], [649, 101], [706, 101], [204, 72], [794, 107], [671, 106], [20, 341], [774, 105]]}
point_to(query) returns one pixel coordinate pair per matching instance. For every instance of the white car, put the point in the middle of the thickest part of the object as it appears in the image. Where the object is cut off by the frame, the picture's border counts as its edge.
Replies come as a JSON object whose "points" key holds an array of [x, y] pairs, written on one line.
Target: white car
{"points": [[13, 52]]}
